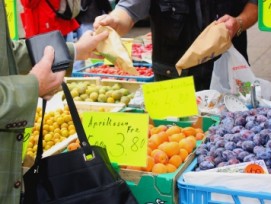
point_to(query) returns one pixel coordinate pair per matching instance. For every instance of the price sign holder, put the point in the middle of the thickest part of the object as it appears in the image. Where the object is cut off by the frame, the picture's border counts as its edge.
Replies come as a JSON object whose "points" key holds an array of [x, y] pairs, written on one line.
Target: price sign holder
{"points": [[124, 135], [264, 20]]}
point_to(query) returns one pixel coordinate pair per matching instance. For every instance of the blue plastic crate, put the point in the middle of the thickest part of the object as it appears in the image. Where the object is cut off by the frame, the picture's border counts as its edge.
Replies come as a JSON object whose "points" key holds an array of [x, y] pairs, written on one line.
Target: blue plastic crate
{"points": [[82, 73], [198, 194]]}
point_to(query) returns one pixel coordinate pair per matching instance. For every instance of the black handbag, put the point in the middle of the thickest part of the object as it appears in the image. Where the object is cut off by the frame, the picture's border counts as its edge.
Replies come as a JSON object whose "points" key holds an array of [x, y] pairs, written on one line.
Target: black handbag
{"points": [[70, 178]]}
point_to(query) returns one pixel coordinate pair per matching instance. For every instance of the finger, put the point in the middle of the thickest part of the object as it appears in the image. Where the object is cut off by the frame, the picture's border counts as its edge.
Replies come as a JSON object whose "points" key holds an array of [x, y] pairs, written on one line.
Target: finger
{"points": [[96, 55], [47, 97], [101, 36], [49, 55], [99, 21]]}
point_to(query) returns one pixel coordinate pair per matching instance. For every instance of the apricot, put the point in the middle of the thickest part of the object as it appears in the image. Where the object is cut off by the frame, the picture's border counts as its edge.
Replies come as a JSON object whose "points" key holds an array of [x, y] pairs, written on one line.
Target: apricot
{"points": [[159, 156], [175, 160], [189, 131], [170, 168], [193, 140], [152, 143], [170, 148], [73, 146], [173, 130], [159, 168], [176, 137], [186, 144], [200, 136], [150, 164], [184, 154]]}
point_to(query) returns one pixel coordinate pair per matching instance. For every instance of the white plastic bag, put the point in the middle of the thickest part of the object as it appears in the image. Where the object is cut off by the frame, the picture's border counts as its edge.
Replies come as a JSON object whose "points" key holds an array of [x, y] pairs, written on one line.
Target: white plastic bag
{"points": [[232, 74]]}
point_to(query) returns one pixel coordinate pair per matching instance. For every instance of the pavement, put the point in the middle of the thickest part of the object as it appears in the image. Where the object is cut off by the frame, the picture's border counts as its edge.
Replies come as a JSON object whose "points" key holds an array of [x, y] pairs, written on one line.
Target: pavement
{"points": [[259, 49]]}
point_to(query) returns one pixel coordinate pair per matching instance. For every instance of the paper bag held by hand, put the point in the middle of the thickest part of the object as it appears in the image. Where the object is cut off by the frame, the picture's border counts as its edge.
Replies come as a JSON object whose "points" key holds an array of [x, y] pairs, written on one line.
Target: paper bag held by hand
{"points": [[213, 41], [113, 49]]}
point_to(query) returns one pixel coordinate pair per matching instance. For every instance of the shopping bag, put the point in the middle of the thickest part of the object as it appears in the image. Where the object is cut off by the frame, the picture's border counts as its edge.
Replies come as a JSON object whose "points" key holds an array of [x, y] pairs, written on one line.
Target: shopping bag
{"points": [[82, 176], [232, 74]]}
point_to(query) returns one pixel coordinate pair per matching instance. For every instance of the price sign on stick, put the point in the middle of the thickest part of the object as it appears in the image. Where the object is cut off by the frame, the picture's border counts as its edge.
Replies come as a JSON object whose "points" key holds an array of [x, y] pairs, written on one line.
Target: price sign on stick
{"points": [[169, 98], [124, 135], [264, 15]]}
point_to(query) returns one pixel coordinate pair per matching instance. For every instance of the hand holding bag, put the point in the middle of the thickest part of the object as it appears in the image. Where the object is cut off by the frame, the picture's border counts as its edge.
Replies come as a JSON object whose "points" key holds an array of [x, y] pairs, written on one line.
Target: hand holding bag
{"points": [[71, 178]]}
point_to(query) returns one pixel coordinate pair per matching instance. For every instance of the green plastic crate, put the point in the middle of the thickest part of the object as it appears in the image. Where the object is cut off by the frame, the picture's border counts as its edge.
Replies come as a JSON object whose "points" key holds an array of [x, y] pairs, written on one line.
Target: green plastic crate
{"points": [[150, 188]]}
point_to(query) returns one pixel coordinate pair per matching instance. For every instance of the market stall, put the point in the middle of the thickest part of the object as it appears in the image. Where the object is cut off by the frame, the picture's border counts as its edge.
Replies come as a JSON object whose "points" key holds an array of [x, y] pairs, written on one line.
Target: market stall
{"points": [[170, 144]]}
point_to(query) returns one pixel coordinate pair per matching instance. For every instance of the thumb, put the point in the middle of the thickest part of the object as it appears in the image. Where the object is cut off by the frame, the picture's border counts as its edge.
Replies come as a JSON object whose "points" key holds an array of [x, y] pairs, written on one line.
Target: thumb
{"points": [[102, 36], [49, 54]]}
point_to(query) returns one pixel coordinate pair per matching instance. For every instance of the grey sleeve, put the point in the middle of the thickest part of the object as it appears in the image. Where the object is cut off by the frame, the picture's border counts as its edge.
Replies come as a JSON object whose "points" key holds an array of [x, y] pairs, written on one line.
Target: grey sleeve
{"points": [[137, 9]]}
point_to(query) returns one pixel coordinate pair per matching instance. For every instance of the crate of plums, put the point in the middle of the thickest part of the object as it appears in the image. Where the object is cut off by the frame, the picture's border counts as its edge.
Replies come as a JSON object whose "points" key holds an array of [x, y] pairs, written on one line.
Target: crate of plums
{"points": [[234, 162]]}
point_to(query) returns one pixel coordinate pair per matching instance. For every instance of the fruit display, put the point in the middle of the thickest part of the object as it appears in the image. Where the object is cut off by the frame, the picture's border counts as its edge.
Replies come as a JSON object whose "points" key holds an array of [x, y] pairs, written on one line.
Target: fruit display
{"points": [[141, 47], [113, 70], [89, 92], [105, 71], [57, 126], [240, 137], [169, 147]]}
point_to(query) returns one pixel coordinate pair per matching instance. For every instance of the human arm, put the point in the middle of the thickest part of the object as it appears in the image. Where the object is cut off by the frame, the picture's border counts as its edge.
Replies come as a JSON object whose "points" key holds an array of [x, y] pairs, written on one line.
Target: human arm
{"points": [[124, 16], [19, 93], [118, 19], [247, 18]]}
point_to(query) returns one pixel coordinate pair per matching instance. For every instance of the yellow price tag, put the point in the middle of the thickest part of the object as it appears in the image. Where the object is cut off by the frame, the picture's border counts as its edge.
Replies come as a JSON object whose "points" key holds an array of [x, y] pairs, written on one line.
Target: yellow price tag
{"points": [[27, 134], [170, 98], [124, 135], [264, 15]]}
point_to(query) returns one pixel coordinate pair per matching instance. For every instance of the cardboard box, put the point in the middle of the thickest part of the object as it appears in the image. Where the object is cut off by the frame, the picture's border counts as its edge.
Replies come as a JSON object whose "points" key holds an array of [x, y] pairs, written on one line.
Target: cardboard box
{"points": [[155, 188], [150, 188]]}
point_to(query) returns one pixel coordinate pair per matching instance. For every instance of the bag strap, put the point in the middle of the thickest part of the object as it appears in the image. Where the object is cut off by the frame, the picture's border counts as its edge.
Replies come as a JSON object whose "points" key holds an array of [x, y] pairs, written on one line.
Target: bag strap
{"points": [[77, 123], [67, 15]]}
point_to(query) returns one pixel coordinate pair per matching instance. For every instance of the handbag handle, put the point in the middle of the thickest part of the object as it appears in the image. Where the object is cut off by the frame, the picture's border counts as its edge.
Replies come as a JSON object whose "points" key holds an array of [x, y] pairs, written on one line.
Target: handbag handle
{"points": [[77, 123]]}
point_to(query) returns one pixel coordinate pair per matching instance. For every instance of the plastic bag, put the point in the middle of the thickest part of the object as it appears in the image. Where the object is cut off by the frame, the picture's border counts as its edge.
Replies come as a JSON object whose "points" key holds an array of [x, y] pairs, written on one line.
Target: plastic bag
{"points": [[232, 74]]}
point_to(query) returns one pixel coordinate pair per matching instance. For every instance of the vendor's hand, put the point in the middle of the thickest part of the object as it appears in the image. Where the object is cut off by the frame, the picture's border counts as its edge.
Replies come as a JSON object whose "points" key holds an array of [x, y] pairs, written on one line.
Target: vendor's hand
{"points": [[49, 82], [231, 24], [105, 20], [86, 45]]}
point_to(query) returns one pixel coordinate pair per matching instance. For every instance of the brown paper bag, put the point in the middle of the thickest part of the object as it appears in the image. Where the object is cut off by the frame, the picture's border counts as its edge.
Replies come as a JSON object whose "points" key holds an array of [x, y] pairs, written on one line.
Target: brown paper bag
{"points": [[213, 41], [113, 49]]}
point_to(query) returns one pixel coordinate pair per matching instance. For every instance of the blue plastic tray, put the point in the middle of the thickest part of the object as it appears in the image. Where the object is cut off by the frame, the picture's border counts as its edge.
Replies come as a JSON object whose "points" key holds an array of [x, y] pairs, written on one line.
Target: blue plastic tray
{"points": [[197, 194], [82, 73]]}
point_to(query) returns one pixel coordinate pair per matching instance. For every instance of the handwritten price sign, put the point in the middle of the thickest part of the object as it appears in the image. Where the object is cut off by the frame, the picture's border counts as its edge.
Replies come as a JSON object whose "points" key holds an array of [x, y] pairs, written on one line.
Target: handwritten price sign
{"points": [[124, 135], [174, 97], [264, 15]]}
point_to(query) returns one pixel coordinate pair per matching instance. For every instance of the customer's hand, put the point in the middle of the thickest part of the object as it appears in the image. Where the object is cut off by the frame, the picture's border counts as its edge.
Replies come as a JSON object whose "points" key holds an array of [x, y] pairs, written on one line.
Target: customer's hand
{"points": [[231, 24], [49, 82], [87, 44]]}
